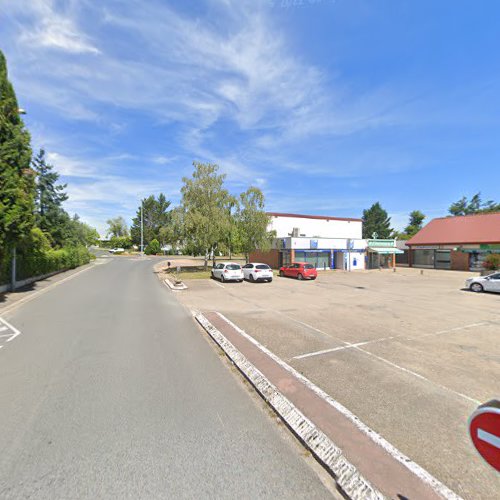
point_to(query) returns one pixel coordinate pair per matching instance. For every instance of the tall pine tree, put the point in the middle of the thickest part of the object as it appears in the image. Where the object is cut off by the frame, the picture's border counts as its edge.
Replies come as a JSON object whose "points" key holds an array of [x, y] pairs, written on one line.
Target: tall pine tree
{"points": [[17, 183], [51, 218], [376, 222]]}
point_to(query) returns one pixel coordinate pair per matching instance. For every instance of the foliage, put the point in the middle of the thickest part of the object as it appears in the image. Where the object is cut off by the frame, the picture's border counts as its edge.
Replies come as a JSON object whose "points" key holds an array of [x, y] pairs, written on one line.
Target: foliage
{"points": [[117, 228], [252, 222], [206, 206], [153, 248], [173, 233], [473, 206], [50, 216], [16, 178], [124, 242], [155, 216], [376, 220], [416, 219], [492, 262]]}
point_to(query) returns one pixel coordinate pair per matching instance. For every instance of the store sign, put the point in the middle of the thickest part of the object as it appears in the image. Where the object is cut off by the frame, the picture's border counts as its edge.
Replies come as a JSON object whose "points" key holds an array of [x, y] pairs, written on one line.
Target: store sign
{"points": [[313, 243], [382, 243], [484, 246]]}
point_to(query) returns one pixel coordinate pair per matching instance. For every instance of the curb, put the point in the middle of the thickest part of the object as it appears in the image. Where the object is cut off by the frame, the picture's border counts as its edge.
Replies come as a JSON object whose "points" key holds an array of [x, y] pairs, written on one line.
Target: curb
{"points": [[349, 480], [172, 286]]}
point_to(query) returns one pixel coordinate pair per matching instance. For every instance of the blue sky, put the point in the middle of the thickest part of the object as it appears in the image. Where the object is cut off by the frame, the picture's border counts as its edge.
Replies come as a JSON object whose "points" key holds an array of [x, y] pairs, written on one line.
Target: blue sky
{"points": [[327, 105]]}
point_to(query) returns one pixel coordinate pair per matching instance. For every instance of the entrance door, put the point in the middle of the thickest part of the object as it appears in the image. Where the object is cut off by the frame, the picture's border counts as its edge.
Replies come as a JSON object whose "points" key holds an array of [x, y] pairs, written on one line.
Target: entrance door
{"points": [[339, 260]]}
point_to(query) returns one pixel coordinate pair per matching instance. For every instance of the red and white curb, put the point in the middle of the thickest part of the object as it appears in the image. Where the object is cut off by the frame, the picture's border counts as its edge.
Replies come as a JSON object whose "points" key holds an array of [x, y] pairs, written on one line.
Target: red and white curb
{"points": [[352, 483]]}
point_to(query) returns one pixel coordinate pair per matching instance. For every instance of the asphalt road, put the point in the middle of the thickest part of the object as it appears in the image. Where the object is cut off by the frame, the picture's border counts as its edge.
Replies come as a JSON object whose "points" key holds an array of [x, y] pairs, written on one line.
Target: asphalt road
{"points": [[111, 391]]}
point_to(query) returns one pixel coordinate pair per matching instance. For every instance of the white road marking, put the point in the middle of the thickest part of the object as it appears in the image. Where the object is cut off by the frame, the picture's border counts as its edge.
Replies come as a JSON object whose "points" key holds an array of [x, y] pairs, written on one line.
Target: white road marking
{"points": [[12, 328], [488, 438], [390, 363], [3, 328], [341, 348], [218, 284], [420, 472], [451, 330]]}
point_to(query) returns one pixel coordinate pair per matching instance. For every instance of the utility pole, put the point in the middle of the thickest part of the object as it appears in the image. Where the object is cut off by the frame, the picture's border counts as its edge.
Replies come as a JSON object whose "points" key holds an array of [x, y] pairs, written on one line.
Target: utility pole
{"points": [[142, 232], [13, 270]]}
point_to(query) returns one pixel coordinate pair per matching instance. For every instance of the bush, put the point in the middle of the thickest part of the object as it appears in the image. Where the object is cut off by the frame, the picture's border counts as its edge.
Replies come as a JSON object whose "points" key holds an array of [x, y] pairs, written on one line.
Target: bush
{"points": [[492, 262], [153, 247]]}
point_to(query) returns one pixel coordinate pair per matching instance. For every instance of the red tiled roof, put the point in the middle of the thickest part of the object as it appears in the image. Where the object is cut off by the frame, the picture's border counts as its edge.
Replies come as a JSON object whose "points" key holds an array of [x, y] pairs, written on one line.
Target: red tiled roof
{"points": [[323, 217], [461, 230]]}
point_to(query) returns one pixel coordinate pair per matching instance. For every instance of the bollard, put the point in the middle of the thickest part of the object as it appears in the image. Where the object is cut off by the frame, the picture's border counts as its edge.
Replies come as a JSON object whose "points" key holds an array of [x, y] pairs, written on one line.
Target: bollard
{"points": [[421, 272], [393, 269]]}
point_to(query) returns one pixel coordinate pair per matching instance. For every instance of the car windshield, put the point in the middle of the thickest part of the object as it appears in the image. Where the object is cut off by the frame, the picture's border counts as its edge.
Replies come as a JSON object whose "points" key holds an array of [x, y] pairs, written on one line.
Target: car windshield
{"points": [[233, 267], [262, 266], [308, 266]]}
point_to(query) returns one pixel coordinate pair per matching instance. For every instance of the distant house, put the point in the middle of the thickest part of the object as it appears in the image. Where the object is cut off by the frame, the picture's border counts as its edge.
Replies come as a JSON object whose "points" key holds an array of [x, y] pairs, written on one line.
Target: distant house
{"points": [[460, 243]]}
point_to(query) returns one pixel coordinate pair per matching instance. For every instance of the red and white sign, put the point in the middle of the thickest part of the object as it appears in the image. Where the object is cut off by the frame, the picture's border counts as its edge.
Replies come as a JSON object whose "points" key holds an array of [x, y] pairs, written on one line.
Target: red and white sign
{"points": [[484, 430]]}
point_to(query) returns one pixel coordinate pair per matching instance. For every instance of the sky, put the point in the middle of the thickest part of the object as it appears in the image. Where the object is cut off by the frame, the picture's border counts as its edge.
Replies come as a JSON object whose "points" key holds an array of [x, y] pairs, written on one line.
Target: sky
{"points": [[326, 105]]}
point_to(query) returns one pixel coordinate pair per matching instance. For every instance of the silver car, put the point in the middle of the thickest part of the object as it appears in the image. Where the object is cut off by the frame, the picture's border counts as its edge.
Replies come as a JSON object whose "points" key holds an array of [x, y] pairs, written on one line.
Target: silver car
{"points": [[490, 283]]}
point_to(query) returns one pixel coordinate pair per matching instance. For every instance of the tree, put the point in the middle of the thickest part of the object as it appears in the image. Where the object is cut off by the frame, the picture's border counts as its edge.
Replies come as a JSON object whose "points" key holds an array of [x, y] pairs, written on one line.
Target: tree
{"points": [[376, 221], [252, 222], [117, 228], [473, 206], [155, 216], [50, 215], [17, 184], [153, 248], [173, 233], [206, 206], [414, 224]]}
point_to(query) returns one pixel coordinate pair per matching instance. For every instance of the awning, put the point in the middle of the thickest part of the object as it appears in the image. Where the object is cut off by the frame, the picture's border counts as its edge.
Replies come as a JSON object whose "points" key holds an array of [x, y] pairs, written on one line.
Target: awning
{"points": [[385, 250]]}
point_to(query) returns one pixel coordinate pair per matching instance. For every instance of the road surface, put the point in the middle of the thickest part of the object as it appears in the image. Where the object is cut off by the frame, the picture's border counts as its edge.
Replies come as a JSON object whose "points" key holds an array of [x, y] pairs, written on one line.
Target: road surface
{"points": [[111, 391]]}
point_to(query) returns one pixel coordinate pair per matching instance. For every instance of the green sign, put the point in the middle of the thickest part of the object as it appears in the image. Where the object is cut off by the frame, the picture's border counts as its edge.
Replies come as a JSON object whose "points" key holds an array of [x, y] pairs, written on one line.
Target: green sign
{"points": [[484, 246], [382, 243]]}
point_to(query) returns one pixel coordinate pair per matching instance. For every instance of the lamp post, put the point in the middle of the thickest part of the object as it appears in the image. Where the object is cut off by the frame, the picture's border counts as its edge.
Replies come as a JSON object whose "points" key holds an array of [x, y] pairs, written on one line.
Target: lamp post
{"points": [[142, 232]]}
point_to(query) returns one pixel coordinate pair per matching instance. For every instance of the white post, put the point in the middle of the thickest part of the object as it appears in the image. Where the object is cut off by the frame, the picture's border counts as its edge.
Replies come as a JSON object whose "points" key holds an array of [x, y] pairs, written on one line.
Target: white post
{"points": [[142, 233]]}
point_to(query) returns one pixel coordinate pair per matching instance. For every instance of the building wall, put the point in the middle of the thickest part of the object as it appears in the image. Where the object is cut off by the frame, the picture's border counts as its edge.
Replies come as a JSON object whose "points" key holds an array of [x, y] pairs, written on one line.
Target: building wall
{"points": [[459, 261], [322, 228], [270, 258]]}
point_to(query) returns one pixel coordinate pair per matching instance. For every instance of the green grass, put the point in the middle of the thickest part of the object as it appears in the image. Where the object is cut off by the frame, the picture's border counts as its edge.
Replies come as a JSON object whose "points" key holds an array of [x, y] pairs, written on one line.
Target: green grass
{"points": [[194, 275]]}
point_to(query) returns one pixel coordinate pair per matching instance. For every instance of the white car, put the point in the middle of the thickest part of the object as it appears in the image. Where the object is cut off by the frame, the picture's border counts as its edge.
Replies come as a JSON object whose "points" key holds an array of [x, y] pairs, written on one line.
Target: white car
{"points": [[116, 250], [256, 271], [490, 283], [227, 271]]}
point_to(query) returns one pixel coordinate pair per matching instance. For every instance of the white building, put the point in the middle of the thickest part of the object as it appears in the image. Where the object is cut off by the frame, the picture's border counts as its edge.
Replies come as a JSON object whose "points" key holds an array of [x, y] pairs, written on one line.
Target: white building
{"points": [[327, 242]]}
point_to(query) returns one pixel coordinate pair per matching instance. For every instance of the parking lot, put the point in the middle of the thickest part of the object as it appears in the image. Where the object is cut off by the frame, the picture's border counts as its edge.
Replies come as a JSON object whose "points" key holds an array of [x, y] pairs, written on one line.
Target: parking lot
{"points": [[411, 354]]}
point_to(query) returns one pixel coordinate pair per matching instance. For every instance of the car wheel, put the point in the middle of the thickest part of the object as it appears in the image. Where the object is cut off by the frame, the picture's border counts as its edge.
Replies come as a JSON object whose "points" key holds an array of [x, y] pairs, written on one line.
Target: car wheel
{"points": [[270, 279], [222, 278], [476, 287], [282, 274], [300, 277], [252, 279]]}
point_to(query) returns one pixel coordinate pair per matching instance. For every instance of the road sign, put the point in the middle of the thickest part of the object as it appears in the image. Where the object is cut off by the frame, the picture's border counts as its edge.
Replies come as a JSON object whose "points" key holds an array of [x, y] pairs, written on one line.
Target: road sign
{"points": [[484, 430]]}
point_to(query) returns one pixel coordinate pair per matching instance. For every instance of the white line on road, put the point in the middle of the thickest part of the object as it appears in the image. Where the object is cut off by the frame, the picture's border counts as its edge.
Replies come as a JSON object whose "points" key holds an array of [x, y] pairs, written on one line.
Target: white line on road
{"points": [[15, 330], [390, 363], [3, 328], [420, 472], [341, 348], [488, 438], [451, 330], [218, 284]]}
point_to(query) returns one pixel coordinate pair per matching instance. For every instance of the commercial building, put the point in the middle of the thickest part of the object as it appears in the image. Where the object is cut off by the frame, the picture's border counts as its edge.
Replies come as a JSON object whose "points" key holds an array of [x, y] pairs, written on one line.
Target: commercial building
{"points": [[460, 243], [326, 242]]}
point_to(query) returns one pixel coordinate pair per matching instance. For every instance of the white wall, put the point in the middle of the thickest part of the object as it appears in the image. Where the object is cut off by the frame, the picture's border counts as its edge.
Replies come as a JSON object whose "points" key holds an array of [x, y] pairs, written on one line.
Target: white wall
{"points": [[322, 228]]}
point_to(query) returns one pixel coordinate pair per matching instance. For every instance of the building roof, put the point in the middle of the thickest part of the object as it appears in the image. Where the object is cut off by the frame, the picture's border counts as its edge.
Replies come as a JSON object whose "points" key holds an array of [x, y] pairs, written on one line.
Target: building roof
{"points": [[460, 230], [322, 217]]}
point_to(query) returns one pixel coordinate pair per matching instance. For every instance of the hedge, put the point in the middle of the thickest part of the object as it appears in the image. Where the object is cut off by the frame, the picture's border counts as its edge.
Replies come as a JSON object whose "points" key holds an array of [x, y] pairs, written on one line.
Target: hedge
{"points": [[45, 262]]}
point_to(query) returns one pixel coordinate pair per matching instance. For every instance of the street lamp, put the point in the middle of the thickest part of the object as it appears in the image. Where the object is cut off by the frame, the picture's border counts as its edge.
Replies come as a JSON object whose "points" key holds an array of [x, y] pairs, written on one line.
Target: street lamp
{"points": [[142, 231]]}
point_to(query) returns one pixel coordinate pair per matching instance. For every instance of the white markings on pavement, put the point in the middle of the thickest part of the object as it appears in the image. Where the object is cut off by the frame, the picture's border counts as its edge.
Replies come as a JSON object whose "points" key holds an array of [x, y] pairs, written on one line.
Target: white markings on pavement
{"points": [[420, 472], [450, 330], [218, 284], [8, 326], [390, 363], [488, 438], [341, 348]]}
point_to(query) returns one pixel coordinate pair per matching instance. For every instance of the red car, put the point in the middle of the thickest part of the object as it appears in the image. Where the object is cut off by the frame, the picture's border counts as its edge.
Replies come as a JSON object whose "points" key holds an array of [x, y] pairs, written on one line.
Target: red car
{"points": [[299, 270]]}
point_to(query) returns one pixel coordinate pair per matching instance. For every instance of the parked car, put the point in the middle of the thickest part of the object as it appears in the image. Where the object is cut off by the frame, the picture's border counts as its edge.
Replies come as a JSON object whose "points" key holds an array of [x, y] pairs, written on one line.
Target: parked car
{"points": [[299, 270], [256, 271], [116, 250], [227, 271], [490, 283]]}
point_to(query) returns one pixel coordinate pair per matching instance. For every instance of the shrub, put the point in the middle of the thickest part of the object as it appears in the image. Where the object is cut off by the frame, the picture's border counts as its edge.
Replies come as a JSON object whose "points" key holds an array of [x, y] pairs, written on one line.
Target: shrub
{"points": [[153, 247], [492, 262]]}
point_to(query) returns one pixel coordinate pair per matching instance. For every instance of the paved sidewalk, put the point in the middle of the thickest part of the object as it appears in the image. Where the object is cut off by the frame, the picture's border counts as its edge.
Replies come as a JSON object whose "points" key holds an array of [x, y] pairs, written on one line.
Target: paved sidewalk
{"points": [[383, 468]]}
